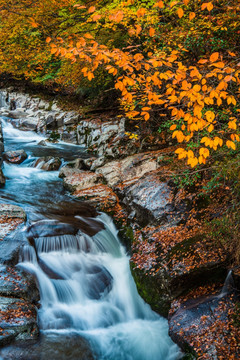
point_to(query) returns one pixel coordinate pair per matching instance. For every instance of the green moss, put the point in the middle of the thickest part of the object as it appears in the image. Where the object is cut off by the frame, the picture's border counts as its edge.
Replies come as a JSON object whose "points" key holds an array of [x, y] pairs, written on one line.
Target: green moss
{"points": [[153, 290]]}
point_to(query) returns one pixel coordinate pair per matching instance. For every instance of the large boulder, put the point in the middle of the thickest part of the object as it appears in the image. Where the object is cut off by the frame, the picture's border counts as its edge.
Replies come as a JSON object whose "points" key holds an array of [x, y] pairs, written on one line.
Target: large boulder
{"points": [[205, 326], [100, 196], [74, 179], [17, 114], [70, 346], [129, 168], [15, 157], [152, 199], [29, 123], [18, 320], [165, 266], [106, 138]]}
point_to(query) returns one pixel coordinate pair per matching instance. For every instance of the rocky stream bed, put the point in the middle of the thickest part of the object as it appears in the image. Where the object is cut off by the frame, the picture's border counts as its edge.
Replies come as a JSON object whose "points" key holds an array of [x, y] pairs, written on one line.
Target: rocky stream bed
{"points": [[181, 277]]}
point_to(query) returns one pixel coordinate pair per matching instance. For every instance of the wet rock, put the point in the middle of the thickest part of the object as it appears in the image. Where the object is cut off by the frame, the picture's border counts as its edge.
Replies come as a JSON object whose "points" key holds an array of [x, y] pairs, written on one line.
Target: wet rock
{"points": [[107, 138], [15, 157], [98, 282], [151, 200], [1, 147], [44, 228], [186, 265], [29, 123], [71, 118], [71, 347], [12, 211], [48, 163], [42, 143], [74, 179], [2, 178], [19, 317], [17, 114], [51, 123], [131, 167], [69, 137], [202, 326], [15, 283], [11, 216], [77, 164], [100, 196]]}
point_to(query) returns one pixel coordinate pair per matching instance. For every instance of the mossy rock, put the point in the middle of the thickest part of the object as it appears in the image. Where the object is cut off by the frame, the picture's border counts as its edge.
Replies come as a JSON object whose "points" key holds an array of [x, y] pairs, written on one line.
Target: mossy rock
{"points": [[153, 289]]}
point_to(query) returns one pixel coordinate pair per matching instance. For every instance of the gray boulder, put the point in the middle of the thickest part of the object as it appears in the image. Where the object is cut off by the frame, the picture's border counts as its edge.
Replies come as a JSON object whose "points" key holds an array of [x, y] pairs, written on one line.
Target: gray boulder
{"points": [[15, 157]]}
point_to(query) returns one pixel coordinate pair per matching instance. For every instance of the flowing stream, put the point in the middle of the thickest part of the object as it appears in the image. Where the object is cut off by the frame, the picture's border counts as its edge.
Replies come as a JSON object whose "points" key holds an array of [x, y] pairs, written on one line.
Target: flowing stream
{"points": [[82, 270]]}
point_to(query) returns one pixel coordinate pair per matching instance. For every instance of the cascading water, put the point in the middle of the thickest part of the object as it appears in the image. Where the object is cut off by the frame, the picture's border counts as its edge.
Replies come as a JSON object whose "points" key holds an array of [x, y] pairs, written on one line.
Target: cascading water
{"points": [[85, 283]]}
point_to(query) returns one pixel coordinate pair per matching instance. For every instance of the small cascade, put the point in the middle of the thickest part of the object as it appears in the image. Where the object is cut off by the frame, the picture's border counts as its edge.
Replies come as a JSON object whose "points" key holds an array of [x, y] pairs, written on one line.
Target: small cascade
{"points": [[228, 285], [92, 293], [3, 101]]}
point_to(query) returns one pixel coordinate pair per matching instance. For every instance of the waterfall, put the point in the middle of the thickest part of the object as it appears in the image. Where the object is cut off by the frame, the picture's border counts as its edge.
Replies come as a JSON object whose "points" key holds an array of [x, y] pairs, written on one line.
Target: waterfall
{"points": [[3, 100], [92, 293]]}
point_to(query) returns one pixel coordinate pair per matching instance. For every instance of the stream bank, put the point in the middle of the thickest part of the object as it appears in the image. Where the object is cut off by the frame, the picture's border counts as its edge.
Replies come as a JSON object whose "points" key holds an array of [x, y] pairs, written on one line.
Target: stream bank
{"points": [[174, 264], [87, 293]]}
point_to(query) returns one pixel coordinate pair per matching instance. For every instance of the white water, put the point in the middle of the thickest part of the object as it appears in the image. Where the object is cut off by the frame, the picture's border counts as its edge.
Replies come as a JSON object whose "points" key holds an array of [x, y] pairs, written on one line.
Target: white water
{"points": [[94, 294], [116, 321]]}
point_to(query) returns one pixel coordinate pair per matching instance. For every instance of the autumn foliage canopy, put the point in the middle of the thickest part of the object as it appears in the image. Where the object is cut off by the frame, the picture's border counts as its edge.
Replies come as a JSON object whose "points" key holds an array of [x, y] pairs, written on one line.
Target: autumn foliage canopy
{"points": [[175, 61]]}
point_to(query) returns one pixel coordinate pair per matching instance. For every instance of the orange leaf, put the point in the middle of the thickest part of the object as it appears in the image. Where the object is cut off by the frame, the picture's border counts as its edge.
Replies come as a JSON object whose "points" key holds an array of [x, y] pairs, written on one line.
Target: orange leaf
{"points": [[210, 6], [91, 9], [219, 64], [180, 13], [48, 39], [192, 15], [202, 61], [96, 17], [159, 4], [214, 57], [151, 31], [141, 12]]}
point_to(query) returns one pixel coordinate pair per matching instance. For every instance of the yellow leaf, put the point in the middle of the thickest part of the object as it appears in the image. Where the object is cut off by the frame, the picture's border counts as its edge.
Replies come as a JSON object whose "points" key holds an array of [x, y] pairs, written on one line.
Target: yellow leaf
{"points": [[190, 154], [230, 144], [204, 152], [232, 125], [182, 155], [180, 13], [173, 127], [210, 6], [210, 128], [197, 88], [214, 57], [179, 151], [90, 76], [210, 116]]}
